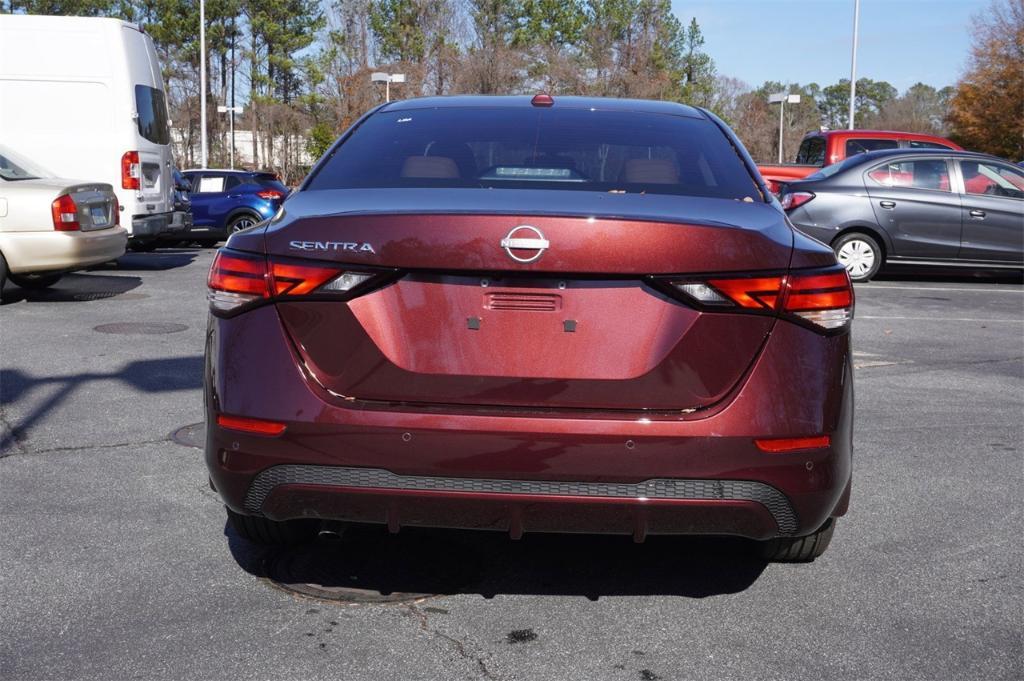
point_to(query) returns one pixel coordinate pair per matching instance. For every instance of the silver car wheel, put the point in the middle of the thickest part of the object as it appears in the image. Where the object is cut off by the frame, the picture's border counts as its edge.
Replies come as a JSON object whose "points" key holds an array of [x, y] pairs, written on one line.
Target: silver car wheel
{"points": [[242, 223], [857, 256]]}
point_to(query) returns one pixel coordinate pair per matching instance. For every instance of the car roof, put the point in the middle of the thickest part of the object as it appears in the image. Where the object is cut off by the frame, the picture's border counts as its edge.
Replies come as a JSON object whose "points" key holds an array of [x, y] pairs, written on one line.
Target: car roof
{"points": [[872, 156], [227, 171], [525, 101], [878, 134]]}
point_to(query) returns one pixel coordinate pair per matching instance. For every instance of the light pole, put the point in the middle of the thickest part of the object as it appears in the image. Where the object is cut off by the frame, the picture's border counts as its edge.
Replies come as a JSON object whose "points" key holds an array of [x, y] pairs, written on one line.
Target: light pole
{"points": [[202, 83], [853, 60], [781, 98], [387, 79], [231, 111]]}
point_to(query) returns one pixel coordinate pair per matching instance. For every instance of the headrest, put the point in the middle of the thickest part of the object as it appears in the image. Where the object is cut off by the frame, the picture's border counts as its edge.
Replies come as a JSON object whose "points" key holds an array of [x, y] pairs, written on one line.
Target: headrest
{"points": [[438, 167], [650, 171]]}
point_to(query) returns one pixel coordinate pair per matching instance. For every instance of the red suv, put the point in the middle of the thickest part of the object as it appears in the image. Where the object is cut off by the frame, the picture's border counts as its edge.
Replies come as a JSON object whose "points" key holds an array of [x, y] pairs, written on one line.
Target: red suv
{"points": [[516, 314]]}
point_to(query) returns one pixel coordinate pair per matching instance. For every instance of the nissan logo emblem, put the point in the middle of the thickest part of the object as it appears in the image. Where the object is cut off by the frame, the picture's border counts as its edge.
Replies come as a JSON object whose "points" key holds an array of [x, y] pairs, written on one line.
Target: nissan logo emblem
{"points": [[525, 238]]}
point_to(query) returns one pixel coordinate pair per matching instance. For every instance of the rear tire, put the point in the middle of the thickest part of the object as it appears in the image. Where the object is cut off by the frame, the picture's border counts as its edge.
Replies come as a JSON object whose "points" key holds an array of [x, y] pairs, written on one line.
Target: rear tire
{"points": [[3, 276], [34, 281], [798, 549], [860, 254], [260, 530], [142, 246], [240, 222]]}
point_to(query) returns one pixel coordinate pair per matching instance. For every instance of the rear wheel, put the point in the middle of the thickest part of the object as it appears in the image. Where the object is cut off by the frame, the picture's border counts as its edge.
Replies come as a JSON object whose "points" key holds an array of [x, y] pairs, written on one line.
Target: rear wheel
{"points": [[3, 276], [798, 549], [860, 254], [34, 281], [142, 246], [264, 531], [241, 222]]}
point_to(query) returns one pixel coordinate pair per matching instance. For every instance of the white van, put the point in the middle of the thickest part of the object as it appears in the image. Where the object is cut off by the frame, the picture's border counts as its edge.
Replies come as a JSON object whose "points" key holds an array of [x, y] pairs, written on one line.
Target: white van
{"points": [[84, 97]]}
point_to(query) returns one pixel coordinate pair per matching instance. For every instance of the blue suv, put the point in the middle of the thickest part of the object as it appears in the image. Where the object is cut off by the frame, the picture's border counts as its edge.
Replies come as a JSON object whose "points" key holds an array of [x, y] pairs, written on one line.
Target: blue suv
{"points": [[228, 201]]}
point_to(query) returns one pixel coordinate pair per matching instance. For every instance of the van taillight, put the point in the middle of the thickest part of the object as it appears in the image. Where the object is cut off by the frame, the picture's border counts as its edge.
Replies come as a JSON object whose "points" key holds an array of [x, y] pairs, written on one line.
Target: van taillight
{"points": [[822, 298], [131, 171], [65, 214], [237, 279]]}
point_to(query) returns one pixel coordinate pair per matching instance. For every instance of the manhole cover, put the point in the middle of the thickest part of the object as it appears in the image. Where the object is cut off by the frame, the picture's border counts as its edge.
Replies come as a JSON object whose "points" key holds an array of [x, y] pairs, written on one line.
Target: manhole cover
{"points": [[368, 565], [193, 435], [147, 328]]}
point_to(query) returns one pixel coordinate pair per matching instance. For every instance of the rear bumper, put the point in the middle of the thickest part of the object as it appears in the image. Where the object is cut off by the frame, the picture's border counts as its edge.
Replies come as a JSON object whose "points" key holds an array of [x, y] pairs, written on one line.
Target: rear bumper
{"points": [[181, 222], [148, 226], [534, 472], [52, 251]]}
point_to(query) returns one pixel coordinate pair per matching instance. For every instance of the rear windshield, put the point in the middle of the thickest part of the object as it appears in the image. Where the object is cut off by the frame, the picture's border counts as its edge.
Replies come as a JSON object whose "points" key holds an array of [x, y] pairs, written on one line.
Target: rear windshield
{"points": [[812, 151], [269, 181], [563, 149], [152, 109], [862, 146]]}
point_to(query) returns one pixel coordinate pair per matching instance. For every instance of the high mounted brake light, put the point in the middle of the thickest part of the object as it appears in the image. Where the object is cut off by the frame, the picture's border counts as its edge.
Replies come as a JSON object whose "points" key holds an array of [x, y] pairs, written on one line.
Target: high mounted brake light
{"points": [[822, 298], [238, 279]]}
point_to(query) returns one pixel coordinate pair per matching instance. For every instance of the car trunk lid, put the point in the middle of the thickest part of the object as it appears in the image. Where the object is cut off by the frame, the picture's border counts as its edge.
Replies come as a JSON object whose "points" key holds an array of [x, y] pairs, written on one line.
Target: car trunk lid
{"points": [[486, 313]]}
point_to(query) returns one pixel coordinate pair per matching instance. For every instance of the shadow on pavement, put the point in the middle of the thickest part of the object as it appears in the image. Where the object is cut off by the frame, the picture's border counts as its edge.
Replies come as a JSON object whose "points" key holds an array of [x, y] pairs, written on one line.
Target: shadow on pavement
{"points": [[75, 288], [420, 562], [937, 274], [149, 376], [155, 261]]}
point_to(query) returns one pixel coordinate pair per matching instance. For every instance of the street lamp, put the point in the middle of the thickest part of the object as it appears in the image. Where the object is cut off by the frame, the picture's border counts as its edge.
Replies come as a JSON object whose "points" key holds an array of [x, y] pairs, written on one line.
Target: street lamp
{"points": [[231, 111], [202, 83], [387, 79], [782, 99], [853, 60]]}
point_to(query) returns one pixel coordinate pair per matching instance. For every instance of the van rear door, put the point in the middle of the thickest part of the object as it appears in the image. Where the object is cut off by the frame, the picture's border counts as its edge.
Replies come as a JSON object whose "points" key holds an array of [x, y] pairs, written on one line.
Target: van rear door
{"points": [[153, 132]]}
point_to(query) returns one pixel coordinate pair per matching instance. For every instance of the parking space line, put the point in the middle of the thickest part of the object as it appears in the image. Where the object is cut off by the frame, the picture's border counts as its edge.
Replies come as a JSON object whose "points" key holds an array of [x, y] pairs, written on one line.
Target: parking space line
{"points": [[946, 319]]}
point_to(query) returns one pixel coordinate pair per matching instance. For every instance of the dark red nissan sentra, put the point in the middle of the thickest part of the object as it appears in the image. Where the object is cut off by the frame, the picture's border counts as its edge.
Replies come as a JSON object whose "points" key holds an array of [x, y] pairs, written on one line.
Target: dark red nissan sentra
{"points": [[532, 315]]}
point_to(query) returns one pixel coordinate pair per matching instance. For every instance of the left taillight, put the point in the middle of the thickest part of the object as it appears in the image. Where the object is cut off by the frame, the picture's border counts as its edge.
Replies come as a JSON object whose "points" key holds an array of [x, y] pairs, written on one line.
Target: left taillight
{"points": [[239, 279], [791, 200], [270, 194], [65, 214], [820, 298], [131, 170]]}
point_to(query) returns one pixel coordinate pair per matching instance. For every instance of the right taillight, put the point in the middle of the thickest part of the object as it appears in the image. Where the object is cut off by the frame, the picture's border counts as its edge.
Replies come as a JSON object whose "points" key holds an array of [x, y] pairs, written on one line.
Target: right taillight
{"points": [[824, 299], [791, 200], [65, 214], [131, 171], [238, 279], [820, 298]]}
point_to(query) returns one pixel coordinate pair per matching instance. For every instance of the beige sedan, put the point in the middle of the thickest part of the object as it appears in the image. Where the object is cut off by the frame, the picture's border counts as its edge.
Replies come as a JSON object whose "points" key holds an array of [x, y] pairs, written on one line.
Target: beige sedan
{"points": [[49, 225]]}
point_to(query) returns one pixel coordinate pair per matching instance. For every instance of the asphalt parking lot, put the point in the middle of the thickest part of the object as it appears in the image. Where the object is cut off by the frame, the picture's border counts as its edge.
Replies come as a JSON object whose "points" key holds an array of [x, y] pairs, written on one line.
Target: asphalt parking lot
{"points": [[116, 563]]}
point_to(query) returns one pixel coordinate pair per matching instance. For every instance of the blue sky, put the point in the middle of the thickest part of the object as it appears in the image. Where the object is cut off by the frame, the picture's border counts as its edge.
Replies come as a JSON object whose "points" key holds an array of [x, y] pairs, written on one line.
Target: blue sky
{"points": [[802, 41]]}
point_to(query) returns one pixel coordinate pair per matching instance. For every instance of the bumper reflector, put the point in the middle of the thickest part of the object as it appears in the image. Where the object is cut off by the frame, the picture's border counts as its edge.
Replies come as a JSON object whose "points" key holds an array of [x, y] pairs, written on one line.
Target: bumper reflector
{"points": [[792, 444], [247, 425]]}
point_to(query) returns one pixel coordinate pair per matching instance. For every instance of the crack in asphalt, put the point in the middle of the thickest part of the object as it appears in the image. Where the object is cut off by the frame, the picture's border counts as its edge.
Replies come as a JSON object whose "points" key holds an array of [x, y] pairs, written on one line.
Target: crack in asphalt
{"points": [[456, 644], [932, 366], [23, 451]]}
